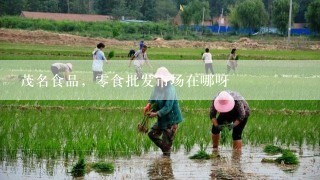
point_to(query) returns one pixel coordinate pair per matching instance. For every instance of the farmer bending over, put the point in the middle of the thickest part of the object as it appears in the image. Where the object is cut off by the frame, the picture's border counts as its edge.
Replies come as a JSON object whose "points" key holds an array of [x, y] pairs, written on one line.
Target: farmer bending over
{"points": [[58, 68], [167, 111], [233, 112]]}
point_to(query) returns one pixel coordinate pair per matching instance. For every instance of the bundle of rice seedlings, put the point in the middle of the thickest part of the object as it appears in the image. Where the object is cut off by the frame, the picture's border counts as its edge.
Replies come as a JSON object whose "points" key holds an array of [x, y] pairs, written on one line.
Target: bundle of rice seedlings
{"points": [[288, 157], [271, 149], [200, 155], [103, 167], [143, 127], [226, 135], [78, 170]]}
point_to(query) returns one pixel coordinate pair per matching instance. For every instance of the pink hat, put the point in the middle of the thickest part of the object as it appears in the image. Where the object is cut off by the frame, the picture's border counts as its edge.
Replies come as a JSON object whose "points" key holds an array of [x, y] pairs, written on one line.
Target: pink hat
{"points": [[164, 74], [224, 102]]}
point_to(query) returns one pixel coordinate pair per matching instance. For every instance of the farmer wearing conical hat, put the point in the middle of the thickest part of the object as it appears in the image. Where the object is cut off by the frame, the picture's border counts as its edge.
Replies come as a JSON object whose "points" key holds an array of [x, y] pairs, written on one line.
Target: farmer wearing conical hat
{"points": [[233, 111], [167, 111], [58, 68]]}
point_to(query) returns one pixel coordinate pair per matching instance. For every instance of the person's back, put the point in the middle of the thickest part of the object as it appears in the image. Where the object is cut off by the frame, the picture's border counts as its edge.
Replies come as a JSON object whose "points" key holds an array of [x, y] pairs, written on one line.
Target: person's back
{"points": [[207, 57], [140, 57], [161, 96], [61, 67]]}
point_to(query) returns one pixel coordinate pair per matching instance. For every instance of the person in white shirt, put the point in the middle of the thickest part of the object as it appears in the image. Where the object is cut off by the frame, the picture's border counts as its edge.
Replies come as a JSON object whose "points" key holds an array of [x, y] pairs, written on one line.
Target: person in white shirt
{"points": [[98, 59], [207, 59], [139, 58]]}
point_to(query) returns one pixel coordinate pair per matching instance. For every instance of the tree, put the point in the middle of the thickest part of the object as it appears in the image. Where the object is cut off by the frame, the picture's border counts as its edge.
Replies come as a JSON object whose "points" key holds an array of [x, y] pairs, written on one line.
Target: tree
{"points": [[11, 7], [165, 9], [148, 10], [104, 6], [313, 16], [280, 14], [249, 14], [129, 8], [217, 5], [63, 6], [193, 12]]}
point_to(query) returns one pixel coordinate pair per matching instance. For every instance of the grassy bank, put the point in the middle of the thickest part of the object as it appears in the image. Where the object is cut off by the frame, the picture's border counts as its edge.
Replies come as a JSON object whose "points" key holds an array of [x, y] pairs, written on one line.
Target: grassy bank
{"points": [[13, 51]]}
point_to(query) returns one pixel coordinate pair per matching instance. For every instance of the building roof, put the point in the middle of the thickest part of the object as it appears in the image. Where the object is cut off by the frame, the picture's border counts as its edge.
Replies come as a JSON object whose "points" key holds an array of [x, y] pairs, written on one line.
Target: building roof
{"points": [[64, 16]]}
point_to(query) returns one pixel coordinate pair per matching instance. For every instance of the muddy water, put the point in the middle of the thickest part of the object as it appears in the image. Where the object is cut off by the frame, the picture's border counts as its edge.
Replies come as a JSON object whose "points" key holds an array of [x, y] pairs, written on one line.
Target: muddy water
{"points": [[153, 166]]}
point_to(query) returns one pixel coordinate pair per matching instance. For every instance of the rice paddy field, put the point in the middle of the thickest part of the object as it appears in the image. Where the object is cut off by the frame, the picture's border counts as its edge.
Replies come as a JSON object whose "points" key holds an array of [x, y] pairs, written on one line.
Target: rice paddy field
{"points": [[46, 138]]}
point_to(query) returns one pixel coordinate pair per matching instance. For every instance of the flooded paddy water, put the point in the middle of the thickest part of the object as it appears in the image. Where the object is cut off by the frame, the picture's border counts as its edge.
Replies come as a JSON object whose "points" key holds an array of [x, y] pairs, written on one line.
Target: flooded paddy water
{"points": [[153, 166]]}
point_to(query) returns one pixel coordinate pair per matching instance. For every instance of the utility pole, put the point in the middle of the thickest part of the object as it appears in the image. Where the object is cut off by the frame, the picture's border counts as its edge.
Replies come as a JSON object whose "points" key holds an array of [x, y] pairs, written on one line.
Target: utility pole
{"points": [[289, 24], [203, 16], [68, 3], [220, 20]]}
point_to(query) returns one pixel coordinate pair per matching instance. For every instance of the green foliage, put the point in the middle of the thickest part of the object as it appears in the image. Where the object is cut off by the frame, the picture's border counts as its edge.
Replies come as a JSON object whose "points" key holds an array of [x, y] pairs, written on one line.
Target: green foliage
{"points": [[280, 14], [225, 136], [288, 157], [313, 16], [216, 7], [109, 29], [103, 167], [200, 155], [111, 55], [271, 149], [79, 169], [249, 14], [193, 12]]}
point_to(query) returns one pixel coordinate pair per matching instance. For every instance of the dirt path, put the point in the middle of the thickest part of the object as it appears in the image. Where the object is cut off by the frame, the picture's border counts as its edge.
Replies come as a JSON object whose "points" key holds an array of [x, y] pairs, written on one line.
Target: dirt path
{"points": [[49, 38]]}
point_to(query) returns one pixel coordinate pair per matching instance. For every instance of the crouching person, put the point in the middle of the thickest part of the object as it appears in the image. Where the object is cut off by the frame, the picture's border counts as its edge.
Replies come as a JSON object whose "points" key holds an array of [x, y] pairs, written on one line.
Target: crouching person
{"points": [[58, 68], [167, 111], [233, 112]]}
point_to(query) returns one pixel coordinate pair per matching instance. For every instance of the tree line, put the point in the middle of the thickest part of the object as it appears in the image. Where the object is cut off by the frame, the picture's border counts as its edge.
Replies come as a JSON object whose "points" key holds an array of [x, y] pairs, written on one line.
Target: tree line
{"points": [[242, 13]]}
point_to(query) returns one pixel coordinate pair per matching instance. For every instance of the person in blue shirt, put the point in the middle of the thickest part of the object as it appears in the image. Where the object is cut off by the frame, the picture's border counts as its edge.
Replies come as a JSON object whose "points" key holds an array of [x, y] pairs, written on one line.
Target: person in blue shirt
{"points": [[98, 59], [167, 111], [141, 44]]}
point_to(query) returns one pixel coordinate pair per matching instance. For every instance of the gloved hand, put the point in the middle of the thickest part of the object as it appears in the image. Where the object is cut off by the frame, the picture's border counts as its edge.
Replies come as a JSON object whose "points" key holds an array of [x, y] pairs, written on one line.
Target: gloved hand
{"points": [[146, 109], [231, 126]]}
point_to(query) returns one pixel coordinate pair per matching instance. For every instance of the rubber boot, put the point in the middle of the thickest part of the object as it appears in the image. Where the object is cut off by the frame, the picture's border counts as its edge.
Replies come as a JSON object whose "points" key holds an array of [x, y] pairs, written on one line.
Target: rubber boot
{"points": [[215, 141], [237, 145]]}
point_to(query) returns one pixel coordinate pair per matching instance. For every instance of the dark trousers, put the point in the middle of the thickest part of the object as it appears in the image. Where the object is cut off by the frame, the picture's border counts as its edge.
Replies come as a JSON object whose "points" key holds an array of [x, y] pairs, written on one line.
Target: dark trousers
{"points": [[165, 142], [55, 71], [236, 132], [208, 66], [97, 75]]}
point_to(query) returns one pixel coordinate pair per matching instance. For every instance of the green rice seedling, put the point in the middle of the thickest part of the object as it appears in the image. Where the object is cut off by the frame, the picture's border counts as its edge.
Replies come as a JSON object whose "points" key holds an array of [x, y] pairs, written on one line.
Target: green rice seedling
{"points": [[271, 149], [225, 136], [79, 169], [111, 55], [103, 167], [200, 155], [143, 127], [288, 157]]}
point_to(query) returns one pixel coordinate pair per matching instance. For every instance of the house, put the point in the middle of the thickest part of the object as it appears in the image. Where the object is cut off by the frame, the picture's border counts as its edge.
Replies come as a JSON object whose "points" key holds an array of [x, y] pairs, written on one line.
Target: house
{"points": [[64, 16]]}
